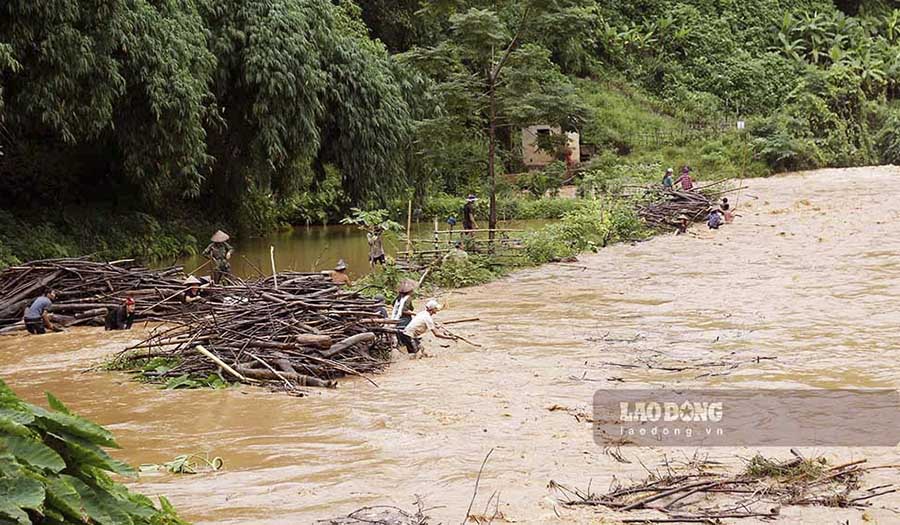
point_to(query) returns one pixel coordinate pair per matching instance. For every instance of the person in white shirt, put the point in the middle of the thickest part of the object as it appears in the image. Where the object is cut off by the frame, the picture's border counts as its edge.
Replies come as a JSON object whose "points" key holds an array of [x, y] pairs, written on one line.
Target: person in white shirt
{"points": [[422, 323]]}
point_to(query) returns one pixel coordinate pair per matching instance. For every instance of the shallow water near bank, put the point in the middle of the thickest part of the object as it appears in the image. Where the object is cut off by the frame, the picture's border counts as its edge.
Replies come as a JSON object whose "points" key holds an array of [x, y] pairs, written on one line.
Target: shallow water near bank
{"points": [[316, 248], [808, 274]]}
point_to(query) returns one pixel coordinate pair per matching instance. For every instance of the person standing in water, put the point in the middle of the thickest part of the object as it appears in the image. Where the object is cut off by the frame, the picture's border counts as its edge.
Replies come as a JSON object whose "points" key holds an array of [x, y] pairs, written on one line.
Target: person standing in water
{"points": [[403, 309], [422, 323], [376, 246], [219, 252], [726, 210], [714, 220], [37, 316], [121, 317]]}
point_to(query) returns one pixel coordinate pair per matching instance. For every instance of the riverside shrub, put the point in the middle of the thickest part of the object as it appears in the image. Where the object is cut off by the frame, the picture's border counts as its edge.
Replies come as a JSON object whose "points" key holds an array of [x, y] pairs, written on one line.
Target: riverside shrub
{"points": [[54, 470]]}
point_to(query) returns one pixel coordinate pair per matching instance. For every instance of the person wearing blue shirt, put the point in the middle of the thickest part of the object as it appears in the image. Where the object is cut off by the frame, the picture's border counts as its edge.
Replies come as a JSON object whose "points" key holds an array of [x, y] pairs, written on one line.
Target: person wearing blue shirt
{"points": [[667, 179], [37, 316]]}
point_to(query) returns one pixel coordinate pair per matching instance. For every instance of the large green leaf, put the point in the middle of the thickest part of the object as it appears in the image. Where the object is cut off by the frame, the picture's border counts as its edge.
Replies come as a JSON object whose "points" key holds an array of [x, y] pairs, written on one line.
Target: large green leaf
{"points": [[8, 398], [18, 493], [99, 505], [10, 426], [57, 405], [18, 415], [63, 496], [72, 424], [34, 453], [86, 453]]}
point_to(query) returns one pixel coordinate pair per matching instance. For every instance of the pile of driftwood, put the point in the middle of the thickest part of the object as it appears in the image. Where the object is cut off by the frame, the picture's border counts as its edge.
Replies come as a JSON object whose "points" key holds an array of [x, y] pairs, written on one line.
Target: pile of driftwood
{"points": [[665, 207], [287, 331], [86, 289], [695, 493]]}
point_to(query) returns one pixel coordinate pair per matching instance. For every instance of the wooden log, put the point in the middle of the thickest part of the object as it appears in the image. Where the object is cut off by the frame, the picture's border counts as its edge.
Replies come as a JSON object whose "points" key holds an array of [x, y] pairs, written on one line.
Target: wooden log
{"points": [[298, 379], [365, 337]]}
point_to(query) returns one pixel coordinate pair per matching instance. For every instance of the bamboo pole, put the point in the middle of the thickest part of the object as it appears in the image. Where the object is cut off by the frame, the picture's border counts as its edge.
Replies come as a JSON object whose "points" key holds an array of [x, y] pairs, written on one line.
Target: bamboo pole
{"points": [[219, 362], [409, 226], [274, 272]]}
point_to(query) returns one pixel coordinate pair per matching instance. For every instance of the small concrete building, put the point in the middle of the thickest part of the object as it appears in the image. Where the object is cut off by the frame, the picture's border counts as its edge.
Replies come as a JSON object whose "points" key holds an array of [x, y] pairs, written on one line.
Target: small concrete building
{"points": [[534, 157]]}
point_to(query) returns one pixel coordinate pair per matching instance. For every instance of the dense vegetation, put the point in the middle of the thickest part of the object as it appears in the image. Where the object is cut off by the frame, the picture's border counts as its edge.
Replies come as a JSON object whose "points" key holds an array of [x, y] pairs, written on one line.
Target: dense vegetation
{"points": [[54, 470], [128, 127]]}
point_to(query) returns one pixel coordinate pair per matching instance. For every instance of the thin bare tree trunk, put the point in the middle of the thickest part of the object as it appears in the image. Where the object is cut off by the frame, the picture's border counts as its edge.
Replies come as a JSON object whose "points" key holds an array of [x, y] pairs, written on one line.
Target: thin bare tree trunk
{"points": [[492, 148]]}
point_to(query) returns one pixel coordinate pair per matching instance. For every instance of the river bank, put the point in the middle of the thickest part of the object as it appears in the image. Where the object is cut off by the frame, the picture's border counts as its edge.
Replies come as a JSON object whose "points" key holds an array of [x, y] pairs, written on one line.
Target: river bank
{"points": [[807, 274]]}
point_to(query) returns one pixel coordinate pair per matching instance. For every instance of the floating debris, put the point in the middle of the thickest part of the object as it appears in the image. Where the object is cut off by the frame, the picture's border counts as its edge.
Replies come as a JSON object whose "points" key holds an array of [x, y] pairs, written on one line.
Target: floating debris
{"points": [[696, 493]]}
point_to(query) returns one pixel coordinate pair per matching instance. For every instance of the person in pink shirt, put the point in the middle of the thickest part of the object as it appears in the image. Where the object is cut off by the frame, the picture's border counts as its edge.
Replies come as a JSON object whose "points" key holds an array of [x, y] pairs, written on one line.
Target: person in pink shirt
{"points": [[687, 184]]}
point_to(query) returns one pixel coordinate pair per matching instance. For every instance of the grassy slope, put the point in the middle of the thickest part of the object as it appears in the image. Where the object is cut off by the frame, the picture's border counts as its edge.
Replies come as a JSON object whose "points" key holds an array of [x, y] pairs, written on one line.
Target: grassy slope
{"points": [[622, 113]]}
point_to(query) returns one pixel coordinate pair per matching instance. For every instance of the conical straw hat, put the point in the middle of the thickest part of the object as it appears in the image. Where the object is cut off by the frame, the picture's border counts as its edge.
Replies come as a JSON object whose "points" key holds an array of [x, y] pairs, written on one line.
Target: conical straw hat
{"points": [[407, 286], [220, 236]]}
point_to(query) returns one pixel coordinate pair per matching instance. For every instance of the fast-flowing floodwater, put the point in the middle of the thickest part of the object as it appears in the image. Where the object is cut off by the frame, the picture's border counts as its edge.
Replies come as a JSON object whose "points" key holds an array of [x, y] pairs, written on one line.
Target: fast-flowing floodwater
{"points": [[809, 275]]}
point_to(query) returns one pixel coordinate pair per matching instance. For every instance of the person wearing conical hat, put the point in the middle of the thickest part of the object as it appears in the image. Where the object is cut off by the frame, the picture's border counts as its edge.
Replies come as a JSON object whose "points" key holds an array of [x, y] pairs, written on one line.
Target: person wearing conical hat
{"points": [[682, 222], [403, 309], [339, 274], [219, 252], [714, 220], [468, 213], [192, 294]]}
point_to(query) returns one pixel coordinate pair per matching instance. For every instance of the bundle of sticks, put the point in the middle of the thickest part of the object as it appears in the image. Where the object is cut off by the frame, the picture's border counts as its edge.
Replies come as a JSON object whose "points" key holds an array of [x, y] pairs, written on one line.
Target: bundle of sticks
{"points": [[304, 331], [666, 206], [694, 494], [86, 289]]}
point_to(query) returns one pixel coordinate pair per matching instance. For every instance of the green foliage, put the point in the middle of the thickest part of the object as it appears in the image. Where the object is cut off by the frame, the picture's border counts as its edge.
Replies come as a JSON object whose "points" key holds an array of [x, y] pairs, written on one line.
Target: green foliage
{"points": [[888, 139], [185, 381], [443, 206], [243, 103], [590, 228], [460, 272], [104, 233], [384, 282], [370, 219], [83, 73], [53, 469], [491, 72], [548, 180]]}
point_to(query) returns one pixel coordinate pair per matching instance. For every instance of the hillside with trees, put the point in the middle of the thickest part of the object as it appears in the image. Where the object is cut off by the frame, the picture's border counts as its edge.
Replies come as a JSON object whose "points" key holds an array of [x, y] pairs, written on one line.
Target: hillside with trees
{"points": [[128, 127]]}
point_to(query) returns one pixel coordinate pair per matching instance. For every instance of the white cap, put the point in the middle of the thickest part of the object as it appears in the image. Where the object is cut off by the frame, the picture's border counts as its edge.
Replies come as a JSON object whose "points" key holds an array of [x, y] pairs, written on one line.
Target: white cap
{"points": [[432, 304]]}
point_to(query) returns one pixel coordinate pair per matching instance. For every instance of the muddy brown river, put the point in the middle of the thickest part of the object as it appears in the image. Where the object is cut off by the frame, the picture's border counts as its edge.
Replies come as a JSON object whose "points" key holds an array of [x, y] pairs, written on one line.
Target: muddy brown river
{"points": [[809, 275]]}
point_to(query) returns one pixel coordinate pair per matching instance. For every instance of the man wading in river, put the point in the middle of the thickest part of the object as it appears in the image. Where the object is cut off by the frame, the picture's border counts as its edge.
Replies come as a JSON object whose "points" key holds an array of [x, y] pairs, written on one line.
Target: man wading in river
{"points": [[121, 317], [411, 336], [37, 316], [219, 252], [376, 246]]}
